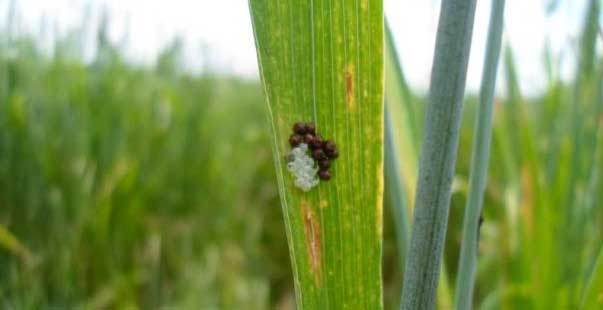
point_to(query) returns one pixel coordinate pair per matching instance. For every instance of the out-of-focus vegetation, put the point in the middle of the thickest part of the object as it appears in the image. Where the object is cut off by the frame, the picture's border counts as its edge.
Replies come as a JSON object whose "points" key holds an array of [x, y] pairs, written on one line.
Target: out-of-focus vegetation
{"points": [[543, 205], [128, 185]]}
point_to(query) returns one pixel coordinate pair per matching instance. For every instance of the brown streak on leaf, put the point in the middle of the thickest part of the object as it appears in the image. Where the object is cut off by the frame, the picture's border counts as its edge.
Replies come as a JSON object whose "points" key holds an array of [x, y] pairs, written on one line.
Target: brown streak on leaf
{"points": [[349, 87], [364, 5], [312, 232]]}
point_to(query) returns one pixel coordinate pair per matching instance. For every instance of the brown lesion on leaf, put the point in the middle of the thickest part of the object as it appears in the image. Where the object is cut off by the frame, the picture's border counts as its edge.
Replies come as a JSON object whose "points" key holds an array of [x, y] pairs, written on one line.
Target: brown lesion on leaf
{"points": [[349, 87], [313, 242], [364, 5]]}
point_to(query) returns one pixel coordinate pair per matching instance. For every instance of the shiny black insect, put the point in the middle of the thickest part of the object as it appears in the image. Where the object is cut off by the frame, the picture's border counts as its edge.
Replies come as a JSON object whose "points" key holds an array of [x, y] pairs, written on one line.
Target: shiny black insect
{"points": [[322, 151]]}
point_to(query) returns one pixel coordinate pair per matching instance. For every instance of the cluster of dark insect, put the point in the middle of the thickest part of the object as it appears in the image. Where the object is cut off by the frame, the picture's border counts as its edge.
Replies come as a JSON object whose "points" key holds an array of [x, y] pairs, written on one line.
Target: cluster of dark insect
{"points": [[322, 151]]}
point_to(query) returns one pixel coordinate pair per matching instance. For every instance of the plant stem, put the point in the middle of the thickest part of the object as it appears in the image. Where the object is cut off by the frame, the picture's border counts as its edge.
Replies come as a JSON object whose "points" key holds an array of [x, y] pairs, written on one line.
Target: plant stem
{"points": [[479, 162], [395, 188], [436, 166]]}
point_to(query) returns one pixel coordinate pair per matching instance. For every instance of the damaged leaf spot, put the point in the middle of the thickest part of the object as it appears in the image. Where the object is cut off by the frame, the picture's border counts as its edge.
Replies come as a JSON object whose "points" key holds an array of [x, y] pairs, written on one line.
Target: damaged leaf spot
{"points": [[349, 87], [312, 231]]}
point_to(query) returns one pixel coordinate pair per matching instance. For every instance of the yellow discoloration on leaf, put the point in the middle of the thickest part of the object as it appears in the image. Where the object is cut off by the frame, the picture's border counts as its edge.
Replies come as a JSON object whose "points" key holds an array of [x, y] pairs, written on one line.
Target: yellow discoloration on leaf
{"points": [[349, 87], [323, 204], [313, 242], [379, 201]]}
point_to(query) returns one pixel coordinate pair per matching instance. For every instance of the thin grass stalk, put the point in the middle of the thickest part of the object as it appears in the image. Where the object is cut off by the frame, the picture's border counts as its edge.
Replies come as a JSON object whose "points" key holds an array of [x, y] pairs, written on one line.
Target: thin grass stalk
{"points": [[390, 45], [438, 158], [590, 298], [396, 193], [577, 170], [513, 108], [402, 86], [465, 280], [583, 76], [594, 176], [590, 203], [395, 188], [403, 111]]}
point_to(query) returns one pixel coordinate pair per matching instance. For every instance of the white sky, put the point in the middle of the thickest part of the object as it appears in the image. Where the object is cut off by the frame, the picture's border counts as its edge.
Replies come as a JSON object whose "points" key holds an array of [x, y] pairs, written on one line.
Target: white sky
{"points": [[142, 27]]}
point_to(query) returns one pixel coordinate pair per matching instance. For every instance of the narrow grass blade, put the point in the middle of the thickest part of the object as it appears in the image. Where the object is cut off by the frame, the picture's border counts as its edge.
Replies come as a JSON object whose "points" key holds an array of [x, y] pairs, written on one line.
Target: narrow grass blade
{"points": [[587, 56], [398, 92], [395, 188], [9, 242], [479, 162], [592, 297], [403, 112], [438, 154], [323, 62], [586, 65]]}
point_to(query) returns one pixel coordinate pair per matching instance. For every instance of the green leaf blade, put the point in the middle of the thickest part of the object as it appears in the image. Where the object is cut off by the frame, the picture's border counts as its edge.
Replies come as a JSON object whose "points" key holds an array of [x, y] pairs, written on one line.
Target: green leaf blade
{"points": [[321, 61]]}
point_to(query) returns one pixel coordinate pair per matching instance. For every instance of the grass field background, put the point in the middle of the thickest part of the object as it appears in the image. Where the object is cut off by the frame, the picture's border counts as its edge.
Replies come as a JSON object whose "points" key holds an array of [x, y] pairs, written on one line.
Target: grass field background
{"points": [[126, 185]]}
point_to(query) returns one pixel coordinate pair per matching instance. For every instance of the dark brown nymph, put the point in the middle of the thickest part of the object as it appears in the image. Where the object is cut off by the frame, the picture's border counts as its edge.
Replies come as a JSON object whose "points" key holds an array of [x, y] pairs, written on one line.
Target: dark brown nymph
{"points": [[319, 155], [310, 128], [324, 164], [330, 149], [295, 140], [299, 128], [316, 143], [324, 175], [309, 139]]}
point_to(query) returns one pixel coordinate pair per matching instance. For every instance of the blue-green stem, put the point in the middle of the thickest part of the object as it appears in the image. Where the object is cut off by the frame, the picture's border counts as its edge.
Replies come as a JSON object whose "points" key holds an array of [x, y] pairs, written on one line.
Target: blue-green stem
{"points": [[438, 154], [479, 162]]}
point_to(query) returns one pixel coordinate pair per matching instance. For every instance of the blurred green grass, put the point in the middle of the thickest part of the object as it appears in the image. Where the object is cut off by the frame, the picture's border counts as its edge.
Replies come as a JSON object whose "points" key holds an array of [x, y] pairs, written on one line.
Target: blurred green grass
{"points": [[146, 186], [132, 185]]}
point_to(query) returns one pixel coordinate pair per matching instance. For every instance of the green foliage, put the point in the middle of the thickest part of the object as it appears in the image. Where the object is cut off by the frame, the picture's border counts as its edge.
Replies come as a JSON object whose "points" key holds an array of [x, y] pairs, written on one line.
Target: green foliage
{"points": [[109, 193], [593, 291]]}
